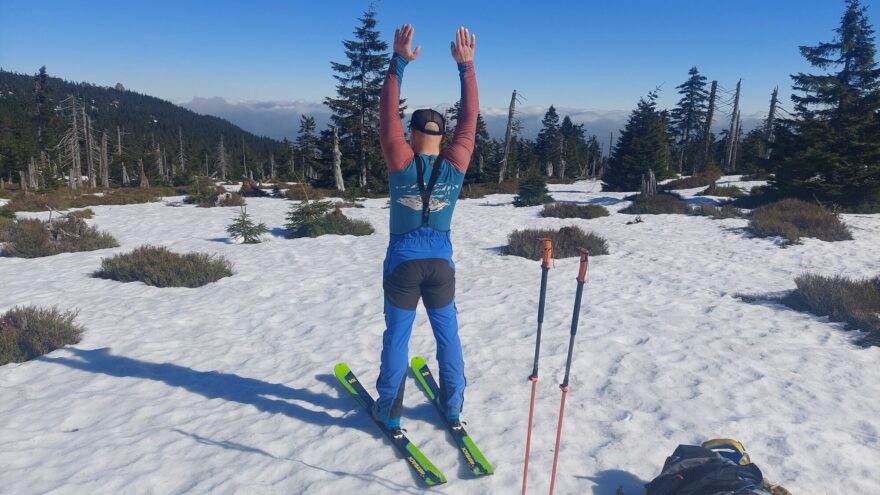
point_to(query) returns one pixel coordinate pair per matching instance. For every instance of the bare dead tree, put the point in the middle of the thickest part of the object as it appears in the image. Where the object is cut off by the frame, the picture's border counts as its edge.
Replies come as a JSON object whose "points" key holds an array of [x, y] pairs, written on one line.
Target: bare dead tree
{"points": [[732, 140], [562, 156], [126, 180], [508, 137], [649, 184], [32, 174], [181, 157], [24, 183], [90, 145], [707, 129], [271, 165], [222, 159], [144, 180], [105, 161], [337, 162], [771, 118]]}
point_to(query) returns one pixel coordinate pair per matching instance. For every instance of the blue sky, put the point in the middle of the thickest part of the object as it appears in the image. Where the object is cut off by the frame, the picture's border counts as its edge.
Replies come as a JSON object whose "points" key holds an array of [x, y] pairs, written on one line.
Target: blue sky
{"points": [[576, 54]]}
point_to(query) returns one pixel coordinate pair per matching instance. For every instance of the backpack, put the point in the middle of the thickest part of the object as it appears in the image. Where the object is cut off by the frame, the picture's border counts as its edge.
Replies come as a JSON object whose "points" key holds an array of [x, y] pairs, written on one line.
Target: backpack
{"points": [[693, 470]]}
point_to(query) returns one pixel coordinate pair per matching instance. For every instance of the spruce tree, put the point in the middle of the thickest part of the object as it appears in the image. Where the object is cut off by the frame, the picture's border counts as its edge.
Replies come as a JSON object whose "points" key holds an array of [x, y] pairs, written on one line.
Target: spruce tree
{"points": [[643, 145], [309, 154], [574, 148], [549, 139], [833, 152], [687, 119], [480, 156], [532, 190], [356, 106], [244, 228]]}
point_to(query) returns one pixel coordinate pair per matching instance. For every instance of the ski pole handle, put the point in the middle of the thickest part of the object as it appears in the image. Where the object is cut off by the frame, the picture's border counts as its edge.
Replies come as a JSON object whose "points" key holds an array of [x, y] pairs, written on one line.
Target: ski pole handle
{"points": [[548, 251], [585, 264]]}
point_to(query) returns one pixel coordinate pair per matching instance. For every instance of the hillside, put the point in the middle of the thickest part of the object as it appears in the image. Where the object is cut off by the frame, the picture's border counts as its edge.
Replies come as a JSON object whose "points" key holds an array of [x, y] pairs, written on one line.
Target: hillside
{"points": [[145, 121]]}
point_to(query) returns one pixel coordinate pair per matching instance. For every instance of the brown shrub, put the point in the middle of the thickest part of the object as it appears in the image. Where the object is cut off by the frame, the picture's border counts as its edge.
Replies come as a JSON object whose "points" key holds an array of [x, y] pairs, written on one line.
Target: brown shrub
{"points": [[305, 192], [483, 189], [32, 238], [723, 191], [657, 204], [64, 199], [792, 219], [159, 267], [854, 302], [565, 243], [702, 179], [725, 211], [28, 332], [572, 210]]}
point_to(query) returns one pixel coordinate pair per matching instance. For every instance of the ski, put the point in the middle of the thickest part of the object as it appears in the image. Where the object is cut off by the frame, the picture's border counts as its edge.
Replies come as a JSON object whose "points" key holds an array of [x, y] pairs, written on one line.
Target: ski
{"points": [[478, 464], [420, 464]]}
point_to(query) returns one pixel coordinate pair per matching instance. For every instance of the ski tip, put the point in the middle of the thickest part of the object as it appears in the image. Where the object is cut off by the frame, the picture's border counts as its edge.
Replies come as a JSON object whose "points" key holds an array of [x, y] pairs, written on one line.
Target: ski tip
{"points": [[341, 369], [417, 362]]}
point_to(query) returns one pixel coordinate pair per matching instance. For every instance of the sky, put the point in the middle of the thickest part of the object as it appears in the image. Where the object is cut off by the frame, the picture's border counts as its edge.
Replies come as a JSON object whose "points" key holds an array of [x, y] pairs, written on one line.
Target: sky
{"points": [[577, 55]]}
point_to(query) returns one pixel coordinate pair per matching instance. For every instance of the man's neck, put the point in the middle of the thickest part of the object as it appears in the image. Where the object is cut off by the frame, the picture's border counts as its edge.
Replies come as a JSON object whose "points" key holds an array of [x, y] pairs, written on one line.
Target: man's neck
{"points": [[427, 150]]}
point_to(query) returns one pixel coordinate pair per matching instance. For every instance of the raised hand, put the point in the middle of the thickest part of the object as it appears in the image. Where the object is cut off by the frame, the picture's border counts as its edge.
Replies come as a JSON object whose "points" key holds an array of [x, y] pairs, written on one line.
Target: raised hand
{"points": [[463, 46], [402, 40]]}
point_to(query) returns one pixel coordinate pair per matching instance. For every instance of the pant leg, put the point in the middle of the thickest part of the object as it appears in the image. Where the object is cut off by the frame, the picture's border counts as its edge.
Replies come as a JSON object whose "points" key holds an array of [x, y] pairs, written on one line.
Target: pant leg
{"points": [[402, 293], [438, 292]]}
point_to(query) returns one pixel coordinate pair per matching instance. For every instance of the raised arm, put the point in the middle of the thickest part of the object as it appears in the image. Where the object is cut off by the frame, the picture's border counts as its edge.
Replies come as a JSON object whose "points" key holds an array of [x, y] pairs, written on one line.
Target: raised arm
{"points": [[459, 151], [397, 152]]}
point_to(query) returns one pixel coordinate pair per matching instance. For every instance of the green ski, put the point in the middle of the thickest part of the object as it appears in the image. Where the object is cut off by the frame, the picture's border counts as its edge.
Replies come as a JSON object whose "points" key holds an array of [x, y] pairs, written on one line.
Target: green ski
{"points": [[420, 464], [477, 463]]}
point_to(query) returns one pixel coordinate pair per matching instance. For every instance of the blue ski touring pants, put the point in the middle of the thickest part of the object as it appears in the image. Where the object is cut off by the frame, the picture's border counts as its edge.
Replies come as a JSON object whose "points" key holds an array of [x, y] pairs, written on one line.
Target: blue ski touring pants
{"points": [[418, 265]]}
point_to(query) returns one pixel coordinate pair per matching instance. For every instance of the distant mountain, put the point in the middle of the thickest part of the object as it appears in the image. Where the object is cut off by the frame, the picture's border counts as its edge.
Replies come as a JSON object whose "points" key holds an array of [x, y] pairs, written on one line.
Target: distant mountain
{"points": [[145, 122], [280, 119]]}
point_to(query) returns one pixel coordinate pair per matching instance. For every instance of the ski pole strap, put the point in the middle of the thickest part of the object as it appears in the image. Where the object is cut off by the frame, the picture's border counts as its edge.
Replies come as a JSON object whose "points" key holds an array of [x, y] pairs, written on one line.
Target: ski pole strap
{"points": [[548, 251], [425, 191], [585, 264]]}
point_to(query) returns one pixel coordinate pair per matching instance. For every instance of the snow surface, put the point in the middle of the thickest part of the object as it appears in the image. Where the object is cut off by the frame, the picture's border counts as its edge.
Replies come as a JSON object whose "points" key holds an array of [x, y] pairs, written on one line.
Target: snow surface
{"points": [[228, 388]]}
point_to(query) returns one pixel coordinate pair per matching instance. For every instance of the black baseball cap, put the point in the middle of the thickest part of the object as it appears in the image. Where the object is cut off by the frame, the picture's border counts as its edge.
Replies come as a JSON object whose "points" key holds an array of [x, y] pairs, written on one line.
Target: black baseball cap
{"points": [[423, 119]]}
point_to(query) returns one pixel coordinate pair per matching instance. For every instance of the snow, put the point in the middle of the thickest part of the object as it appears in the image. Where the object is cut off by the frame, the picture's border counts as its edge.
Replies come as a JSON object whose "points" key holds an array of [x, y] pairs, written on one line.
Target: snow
{"points": [[228, 388]]}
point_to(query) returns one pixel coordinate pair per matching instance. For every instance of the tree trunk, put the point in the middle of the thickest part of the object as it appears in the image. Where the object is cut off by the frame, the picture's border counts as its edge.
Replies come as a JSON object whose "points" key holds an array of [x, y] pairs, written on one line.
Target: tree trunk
{"points": [[707, 130], [337, 162], [105, 162], [87, 129], [24, 183], [126, 181], [771, 117], [144, 181], [732, 141], [508, 136]]}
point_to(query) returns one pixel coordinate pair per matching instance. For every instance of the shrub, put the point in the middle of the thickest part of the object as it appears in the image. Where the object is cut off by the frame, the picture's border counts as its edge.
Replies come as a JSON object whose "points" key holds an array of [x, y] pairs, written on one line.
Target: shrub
{"points": [[565, 243], [702, 179], [159, 267], [82, 214], [758, 196], [655, 205], [725, 211], [32, 238], [723, 191], [316, 218], [28, 332], [64, 199], [792, 219], [305, 192], [571, 210], [249, 189], [482, 189], [245, 229], [854, 302], [532, 191]]}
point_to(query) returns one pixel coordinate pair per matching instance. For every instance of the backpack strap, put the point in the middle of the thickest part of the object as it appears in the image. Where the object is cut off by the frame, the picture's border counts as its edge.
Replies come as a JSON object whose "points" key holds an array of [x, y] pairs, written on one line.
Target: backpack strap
{"points": [[425, 191]]}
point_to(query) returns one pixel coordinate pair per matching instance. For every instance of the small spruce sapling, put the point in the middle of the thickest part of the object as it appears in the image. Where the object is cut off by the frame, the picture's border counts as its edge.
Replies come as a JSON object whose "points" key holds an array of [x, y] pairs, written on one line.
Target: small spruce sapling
{"points": [[245, 229]]}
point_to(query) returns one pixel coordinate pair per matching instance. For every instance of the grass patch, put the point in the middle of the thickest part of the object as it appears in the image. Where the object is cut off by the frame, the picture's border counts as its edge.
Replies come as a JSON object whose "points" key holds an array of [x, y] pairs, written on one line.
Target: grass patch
{"points": [[483, 189], [661, 203], [65, 199], [317, 218], [32, 238], [305, 192], [29, 331], [854, 302], [82, 214], [702, 179], [571, 210], [565, 243], [792, 219], [159, 267], [725, 211], [723, 191]]}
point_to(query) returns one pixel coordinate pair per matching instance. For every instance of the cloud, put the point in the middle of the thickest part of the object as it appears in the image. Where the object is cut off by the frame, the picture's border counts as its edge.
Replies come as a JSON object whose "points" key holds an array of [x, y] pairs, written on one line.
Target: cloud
{"points": [[280, 119]]}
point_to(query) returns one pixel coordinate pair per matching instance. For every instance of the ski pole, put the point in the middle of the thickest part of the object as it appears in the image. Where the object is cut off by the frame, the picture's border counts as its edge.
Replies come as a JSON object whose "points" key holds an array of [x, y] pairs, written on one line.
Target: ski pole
{"points": [[545, 267], [581, 278]]}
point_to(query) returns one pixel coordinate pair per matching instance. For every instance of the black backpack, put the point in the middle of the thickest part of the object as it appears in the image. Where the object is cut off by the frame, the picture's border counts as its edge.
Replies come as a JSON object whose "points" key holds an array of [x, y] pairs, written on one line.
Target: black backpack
{"points": [[692, 470]]}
